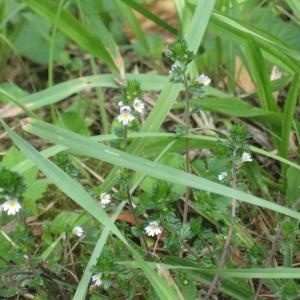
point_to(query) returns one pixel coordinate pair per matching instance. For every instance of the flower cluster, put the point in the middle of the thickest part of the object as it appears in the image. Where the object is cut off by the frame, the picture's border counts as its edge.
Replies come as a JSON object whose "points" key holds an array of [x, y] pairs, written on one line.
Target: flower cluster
{"points": [[131, 104]]}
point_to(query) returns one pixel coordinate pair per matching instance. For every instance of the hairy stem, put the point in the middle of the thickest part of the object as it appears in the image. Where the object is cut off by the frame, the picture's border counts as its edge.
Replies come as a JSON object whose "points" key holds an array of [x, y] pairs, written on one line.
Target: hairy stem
{"points": [[129, 198], [221, 263], [187, 147]]}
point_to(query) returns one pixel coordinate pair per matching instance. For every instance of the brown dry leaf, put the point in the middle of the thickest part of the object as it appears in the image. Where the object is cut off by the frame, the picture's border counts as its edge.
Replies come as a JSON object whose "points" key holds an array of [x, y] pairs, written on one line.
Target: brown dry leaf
{"points": [[9, 111], [126, 217], [243, 80]]}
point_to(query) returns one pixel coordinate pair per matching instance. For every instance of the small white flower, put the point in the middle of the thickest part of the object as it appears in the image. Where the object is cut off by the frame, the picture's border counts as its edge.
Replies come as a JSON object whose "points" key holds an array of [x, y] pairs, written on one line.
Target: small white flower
{"points": [[246, 157], [120, 103], [205, 80], [153, 229], [11, 206], [97, 279], [105, 199], [77, 230], [176, 65], [138, 105], [125, 116], [222, 176]]}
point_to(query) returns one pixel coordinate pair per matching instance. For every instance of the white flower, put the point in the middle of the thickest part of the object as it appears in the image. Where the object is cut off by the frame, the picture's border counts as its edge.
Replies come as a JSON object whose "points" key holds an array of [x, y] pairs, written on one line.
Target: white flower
{"points": [[125, 116], [120, 103], [176, 65], [222, 176], [77, 230], [97, 279], [153, 229], [11, 206], [138, 105], [105, 199], [205, 80], [246, 157]]}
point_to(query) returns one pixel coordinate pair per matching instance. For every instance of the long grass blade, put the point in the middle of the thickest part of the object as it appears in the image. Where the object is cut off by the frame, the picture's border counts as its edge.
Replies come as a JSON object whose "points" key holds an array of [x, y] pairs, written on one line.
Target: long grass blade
{"points": [[288, 116], [259, 75], [149, 15], [113, 156], [80, 293]]}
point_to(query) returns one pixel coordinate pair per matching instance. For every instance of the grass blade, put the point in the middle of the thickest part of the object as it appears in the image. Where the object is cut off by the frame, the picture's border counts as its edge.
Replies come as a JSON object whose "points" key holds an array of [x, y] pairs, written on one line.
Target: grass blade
{"points": [[133, 23], [80, 293], [149, 15], [288, 116], [63, 90], [97, 27], [237, 30], [105, 153], [259, 75]]}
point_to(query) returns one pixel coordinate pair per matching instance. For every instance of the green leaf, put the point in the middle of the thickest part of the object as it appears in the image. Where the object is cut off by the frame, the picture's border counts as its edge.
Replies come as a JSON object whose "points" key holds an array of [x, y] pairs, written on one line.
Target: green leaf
{"points": [[73, 29], [74, 122], [36, 28]]}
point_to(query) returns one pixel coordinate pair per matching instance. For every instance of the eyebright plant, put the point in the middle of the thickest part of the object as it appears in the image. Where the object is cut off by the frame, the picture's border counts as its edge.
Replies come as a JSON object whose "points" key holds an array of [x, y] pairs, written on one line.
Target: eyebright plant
{"points": [[181, 57], [12, 188], [234, 150]]}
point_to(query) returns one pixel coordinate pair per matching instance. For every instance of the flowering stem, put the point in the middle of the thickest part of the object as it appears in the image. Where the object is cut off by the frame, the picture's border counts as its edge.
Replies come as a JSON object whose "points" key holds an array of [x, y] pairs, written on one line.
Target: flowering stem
{"points": [[230, 231], [187, 146], [125, 140]]}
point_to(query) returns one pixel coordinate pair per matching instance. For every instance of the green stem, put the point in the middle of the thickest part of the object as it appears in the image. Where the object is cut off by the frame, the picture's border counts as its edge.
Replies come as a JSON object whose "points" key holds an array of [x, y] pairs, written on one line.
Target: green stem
{"points": [[221, 263], [51, 57], [187, 147], [129, 198], [101, 101]]}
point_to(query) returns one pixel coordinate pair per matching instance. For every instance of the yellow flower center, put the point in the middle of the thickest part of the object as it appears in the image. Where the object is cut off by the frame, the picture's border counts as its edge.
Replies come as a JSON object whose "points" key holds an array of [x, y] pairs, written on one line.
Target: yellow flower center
{"points": [[12, 203]]}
